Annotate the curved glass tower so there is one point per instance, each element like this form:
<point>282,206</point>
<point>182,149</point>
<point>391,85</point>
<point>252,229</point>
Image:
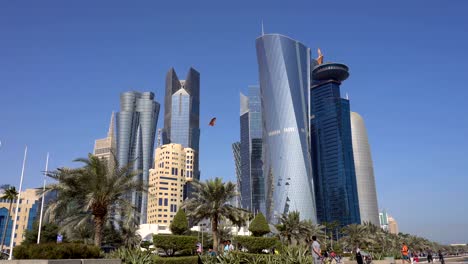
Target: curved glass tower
<point>284,72</point>
<point>136,129</point>
<point>367,194</point>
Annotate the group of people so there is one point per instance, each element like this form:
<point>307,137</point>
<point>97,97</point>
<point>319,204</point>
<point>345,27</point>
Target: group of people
<point>227,247</point>
<point>325,257</point>
<point>410,257</point>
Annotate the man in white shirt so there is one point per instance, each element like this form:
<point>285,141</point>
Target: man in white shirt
<point>316,253</point>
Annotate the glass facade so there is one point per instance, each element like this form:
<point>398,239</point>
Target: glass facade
<point>252,183</point>
<point>365,179</point>
<point>237,163</point>
<point>3,220</point>
<point>284,71</point>
<point>332,152</point>
<point>136,129</point>
<point>182,115</point>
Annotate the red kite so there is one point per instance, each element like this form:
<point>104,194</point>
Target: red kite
<point>212,122</point>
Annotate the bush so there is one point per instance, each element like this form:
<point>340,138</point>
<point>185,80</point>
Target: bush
<point>257,244</point>
<point>171,243</point>
<point>179,224</point>
<point>56,251</point>
<point>176,260</point>
<point>259,226</point>
<point>132,256</point>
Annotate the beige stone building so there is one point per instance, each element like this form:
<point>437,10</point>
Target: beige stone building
<point>104,147</point>
<point>28,212</point>
<point>173,167</point>
<point>392,226</point>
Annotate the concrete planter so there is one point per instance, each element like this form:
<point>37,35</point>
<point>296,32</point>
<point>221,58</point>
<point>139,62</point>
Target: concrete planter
<point>62,261</point>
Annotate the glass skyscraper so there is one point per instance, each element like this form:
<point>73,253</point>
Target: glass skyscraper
<point>182,113</point>
<point>237,163</point>
<point>365,179</point>
<point>284,72</point>
<point>252,183</point>
<point>331,147</point>
<point>136,129</point>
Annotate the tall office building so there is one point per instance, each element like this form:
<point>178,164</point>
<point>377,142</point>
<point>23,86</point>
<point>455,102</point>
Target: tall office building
<point>106,147</point>
<point>367,193</point>
<point>182,114</point>
<point>393,226</point>
<point>238,167</point>
<point>383,220</point>
<point>252,183</point>
<point>136,129</point>
<point>331,147</point>
<point>27,213</point>
<point>284,72</point>
<point>173,167</point>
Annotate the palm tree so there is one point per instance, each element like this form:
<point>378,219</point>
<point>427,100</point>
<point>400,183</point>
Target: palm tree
<point>10,195</point>
<point>355,235</point>
<point>92,191</point>
<point>210,201</point>
<point>292,228</point>
<point>311,230</point>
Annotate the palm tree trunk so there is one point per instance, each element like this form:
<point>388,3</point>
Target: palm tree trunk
<point>214,231</point>
<point>6,227</point>
<point>98,226</point>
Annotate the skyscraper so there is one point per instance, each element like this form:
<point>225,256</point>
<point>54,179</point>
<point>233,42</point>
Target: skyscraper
<point>136,129</point>
<point>284,73</point>
<point>252,182</point>
<point>367,193</point>
<point>237,163</point>
<point>172,169</point>
<point>182,113</point>
<point>106,147</point>
<point>331,147</point>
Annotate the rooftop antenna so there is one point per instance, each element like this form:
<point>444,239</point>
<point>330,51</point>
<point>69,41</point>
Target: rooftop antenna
<point>263,32</point>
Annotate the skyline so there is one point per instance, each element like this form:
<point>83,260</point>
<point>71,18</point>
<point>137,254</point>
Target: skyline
<point>73,69</point>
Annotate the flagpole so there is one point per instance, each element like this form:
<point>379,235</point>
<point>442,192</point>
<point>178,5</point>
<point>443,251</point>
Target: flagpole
<point>42,203</point>
<point>13,229</point>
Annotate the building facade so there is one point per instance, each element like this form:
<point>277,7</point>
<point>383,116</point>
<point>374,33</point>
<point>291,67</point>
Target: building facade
<point>252,183</point>
<point>105,148</point>
<point>284,71</point>
<point>182,111</point>
<point>393,226</point>
<point>173,167</point>
<point>363,164</point>
<point>383,220</point>
<point>28,212</point>
<point>331,147</point>
<point>136,129</point>
<point>238,167</point>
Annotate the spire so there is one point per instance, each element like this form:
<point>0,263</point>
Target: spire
<point>263,32</point>
<point>110,133</point>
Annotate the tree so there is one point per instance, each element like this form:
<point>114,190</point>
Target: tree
<point>259,226</point>
<point>92,191</point>
<point>179,224</point>
<point>49,233</point>
<point>210,201</point>
<point>10,195</point>
<point>291,227</point>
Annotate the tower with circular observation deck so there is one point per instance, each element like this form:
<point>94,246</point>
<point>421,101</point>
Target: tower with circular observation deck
<point>331,145</point>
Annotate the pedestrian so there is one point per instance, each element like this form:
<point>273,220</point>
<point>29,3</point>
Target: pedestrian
<point>441,257</point>
<point>429,256</point>
<point>316,253</point>
<point>231,246</point>
<point>359,256</point>
<point>404,254</point>
<point>199,248</point>
<point>211,252</point>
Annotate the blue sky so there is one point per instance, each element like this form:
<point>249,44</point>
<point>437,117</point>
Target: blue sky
<point>63,65</point>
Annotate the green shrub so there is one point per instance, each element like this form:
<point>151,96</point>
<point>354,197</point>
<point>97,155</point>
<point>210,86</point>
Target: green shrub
<point>56,251</point>
<point>257,244</point>
<point>259,226</point>
<point>132,256</point>
<point>179,224</point>
<point>171,243</point>
<point>176,260</point>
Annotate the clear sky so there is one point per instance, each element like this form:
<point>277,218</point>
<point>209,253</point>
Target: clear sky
<point>64,63</point>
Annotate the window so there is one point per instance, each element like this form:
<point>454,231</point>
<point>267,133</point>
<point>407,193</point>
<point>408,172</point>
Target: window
<point>165,201</point>
<point>160,201</point>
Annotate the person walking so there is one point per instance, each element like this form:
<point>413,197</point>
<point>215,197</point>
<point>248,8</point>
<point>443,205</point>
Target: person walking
<point>359,256</point>
<point>429,256</point>
<point>441,257</point>
<point>404,253</point>
<point>316,253</point>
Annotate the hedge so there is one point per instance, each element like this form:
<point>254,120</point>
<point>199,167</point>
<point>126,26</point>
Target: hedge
<point>171,243</point>
<point>259,226</point>
<point>257,244</point>
<point>176,260</point>
<point>56,251</point>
